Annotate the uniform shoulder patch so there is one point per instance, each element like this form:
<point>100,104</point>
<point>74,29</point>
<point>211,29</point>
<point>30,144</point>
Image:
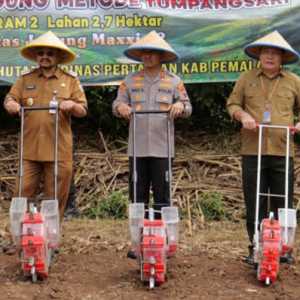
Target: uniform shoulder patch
<point>172,77</point>
<point>70,72</point>
<point>134,77</point>
<point>139,74</point>
<point>169,74</point>
<point>28,71</point>
<point>292,75</point>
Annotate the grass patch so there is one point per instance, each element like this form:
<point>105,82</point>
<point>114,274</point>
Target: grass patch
<point>114,206</point>
<point>212,206</point>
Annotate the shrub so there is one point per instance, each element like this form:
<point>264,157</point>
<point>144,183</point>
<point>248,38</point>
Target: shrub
<point>212,206</point>
<point>114,206</point>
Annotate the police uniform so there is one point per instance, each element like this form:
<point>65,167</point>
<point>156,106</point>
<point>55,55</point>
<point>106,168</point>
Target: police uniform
<point>34,89</point>
<point>144,93</point>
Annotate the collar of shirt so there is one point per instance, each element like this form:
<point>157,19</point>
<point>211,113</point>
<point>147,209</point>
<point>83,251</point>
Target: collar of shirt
<point>161,75</point>
<point>260,72</point>
<point>56,74</point>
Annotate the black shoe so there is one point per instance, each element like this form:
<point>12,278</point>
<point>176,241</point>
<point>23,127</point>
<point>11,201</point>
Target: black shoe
<point>131,254</point>
<point>250,258</point>
<point>287,259</point>
<point>71,213</point>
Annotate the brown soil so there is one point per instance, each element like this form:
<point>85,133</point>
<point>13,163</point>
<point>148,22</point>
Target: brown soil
<point>92,264</point>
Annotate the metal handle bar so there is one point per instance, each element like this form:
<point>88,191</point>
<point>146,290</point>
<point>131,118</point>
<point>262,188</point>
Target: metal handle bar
<point>21,171</point>
<point>28,108</point>
<point>292,129</point>
<point>289,130</point>
<point>141,112</point>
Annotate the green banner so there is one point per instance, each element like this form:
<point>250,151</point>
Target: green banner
<point>209,35</point>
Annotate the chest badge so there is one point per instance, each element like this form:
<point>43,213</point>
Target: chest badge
<point>30,87</point>
<point>63,85</point>
<point>30,101</point>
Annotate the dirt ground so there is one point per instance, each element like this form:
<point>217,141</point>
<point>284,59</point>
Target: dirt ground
<point>92,265</point>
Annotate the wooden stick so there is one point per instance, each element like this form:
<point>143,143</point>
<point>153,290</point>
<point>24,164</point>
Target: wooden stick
<point>189,215</point>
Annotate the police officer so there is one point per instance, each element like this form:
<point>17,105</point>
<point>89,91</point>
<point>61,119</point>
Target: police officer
<point>153,88</point>
<point>269,94</point>
<point>37,88</point>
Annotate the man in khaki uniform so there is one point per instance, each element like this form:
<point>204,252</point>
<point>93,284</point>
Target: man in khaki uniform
<point>267,95</point>
<point>151,89</point>
<point>37,88</point>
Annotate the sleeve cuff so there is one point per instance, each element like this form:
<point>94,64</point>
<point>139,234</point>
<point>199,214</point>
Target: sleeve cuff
<point>233,109</point>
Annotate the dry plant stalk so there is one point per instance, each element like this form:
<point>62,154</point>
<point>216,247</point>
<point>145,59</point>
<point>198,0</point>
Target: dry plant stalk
<point>98,174</point>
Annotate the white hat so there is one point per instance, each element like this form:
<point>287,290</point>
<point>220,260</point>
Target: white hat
<point>151,41</point>
<point>49,40</point>
<point>274,40</point>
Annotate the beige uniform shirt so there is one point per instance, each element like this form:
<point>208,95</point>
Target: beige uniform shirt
<point>33,89</point>
<point>250,94</point>
<point>144,93</point>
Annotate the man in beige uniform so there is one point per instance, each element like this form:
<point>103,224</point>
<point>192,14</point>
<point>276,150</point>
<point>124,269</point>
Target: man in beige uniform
<point>268,95</point>
<point>151,89</point>
<point>37,88</point>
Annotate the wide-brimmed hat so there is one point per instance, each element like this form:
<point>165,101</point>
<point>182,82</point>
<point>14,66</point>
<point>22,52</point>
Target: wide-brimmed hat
<point>274,40</point>
<point>151,41</point>
<point>49,40</point>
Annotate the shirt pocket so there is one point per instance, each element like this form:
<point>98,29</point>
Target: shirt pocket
<point>137,98</point>
<point>30,97</point>
<point>285,102</point>
<point>164,98</point>
<point>254,99</point>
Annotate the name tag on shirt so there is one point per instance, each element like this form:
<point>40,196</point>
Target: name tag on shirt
<point>267,117</point>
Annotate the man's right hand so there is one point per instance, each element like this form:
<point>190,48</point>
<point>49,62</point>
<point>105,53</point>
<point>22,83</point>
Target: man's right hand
<point>12,107</point>
<point>248,122</point>
<point>124,111</point>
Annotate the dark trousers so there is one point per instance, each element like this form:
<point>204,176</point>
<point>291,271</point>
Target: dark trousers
<point>272,181</point>
<point>151,172</point>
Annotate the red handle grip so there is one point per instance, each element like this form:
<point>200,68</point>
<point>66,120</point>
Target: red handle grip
<point>292,129</point>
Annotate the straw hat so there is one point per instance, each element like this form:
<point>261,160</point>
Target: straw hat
<point>274,40</point>
<point>151,41</point>
<point>50,40</point>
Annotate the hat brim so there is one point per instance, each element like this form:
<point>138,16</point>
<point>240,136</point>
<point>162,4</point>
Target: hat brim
<point>288,57</point>
<point>136,52</point>
<point>66,56</point>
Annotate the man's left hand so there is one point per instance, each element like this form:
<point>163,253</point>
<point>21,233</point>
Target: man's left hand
<point>67,106</point>
<point>176,110</point>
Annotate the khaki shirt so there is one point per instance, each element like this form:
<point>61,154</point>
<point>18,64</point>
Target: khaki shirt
<point>250,94</point>
<point>144,93</point>
<point>33,89</point>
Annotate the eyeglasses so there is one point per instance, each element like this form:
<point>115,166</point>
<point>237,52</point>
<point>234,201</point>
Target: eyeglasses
<point>152,51</point>
<point>47,53</point>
